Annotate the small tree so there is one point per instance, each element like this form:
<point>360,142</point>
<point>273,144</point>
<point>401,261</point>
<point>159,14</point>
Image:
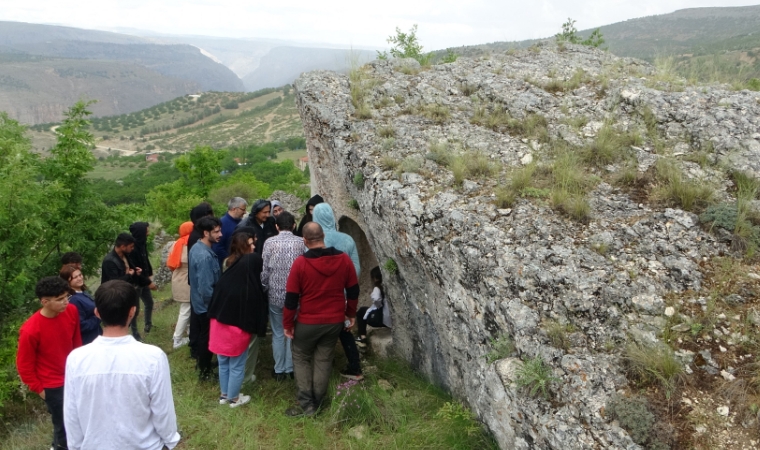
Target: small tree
<point>570,34</point>
<point>406,45</point>
<point>201,168</point>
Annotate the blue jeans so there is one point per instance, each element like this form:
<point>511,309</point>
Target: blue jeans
<point>231,372</point>
<point>283,357</point>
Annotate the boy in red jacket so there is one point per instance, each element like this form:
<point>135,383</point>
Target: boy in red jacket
<point>45,340</point>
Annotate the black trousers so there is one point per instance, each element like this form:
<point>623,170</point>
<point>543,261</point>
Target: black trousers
<point>349,348</point>
<point>54,402</point>
<point>133,324</point>
<point>147,298</point>
<point>201,345</point>
<point>375,319</point>
<point>193,333</point>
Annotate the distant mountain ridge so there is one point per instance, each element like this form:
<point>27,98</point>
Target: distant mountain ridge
<point>44,69</point>
<point>682,31</point>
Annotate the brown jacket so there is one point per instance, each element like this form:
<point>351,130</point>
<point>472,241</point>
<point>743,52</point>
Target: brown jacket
<point>180,286</point>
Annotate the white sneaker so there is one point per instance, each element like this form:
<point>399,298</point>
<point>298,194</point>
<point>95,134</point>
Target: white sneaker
<point>242,400</point>
<point>223,400</point>
<point>253,378</point>
<point>180,342</point>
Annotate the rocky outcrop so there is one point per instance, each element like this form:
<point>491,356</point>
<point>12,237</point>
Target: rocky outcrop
<point>469,272</point>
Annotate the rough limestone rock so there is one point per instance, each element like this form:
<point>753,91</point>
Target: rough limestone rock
<point>469,272</point>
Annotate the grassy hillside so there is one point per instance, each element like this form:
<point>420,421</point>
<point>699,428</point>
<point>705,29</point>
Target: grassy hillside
<point>216,119</point>
<point>697,30</point>
<point>700,44</point>
<point>36,89</point>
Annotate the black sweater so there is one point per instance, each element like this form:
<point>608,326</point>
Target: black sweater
<point>239,299</point>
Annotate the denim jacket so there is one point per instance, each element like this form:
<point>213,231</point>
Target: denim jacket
<point>203,273</point>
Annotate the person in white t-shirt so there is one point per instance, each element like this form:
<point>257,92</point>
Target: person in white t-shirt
<point>118,391</point>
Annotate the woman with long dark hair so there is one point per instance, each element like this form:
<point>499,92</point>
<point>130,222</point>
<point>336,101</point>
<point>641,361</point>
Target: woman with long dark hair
<point>89,324</point>
<point>238,313</point>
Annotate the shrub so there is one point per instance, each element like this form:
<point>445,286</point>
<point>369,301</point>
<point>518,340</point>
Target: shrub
<point>388,144</point>
<point>501,348</point>
<point>747,186</point>
<point>610,146</point>
<point>386,132</point>
<point>458,169</point>
<point>505,197</point>
<point>722,215</point>
<point>654,364</point>
<point>479,165</point>
<point>410,164</point>
<point>359,180</point>
<point>468,89</point>
<point>558,334</point>
<point>436,112</point>
<point>522,178</point>
<point>439,153</point>
<point>675,190</point>
<point>449,57</point>
<point>353,204</point>
<point>389,163</point>
<point>390,266</point>
<point>633,415</point>
<point>536,376</point>
<point>570,184</point>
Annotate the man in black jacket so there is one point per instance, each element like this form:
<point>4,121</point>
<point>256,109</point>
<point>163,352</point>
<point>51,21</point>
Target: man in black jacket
<point>261,222</point>
<point>116,266</point>
<point>140,258</point>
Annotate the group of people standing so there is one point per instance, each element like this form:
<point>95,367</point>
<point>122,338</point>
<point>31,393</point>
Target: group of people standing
<point>231,275</point>
<point>244,272</point>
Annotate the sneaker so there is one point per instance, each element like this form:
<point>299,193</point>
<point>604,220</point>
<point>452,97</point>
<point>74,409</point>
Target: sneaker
<point>297,411</point>
<point>351,375</point>
<point>242,400</point>
<point>223,400</point>
<point>280,376</point>
<point>180,342</point>
<point>252,378</point>
<point>148,327</point>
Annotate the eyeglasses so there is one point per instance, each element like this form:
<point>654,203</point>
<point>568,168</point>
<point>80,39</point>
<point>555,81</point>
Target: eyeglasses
<point>240,208</point>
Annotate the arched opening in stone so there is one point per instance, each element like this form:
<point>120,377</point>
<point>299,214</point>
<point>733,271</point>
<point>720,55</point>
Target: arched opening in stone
<point>367,258</point>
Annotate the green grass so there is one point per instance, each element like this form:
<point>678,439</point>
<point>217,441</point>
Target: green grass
<point>412,413</point>
<point>654,364</point>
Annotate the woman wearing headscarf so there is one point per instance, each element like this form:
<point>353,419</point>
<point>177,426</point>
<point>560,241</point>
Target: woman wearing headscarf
<point>177,262</point>
<point>307,216</point>
<point>261,221</point>
<point>140,258</point>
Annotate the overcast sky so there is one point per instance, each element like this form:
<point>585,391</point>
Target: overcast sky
<point>357,23</point>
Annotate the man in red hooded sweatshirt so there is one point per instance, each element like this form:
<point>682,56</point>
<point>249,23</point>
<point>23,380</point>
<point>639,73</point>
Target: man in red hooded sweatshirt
<point>45,340</point>
<point>317,282</point>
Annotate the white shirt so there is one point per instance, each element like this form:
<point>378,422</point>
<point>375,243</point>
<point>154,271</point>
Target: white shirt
<point>118,395</point>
